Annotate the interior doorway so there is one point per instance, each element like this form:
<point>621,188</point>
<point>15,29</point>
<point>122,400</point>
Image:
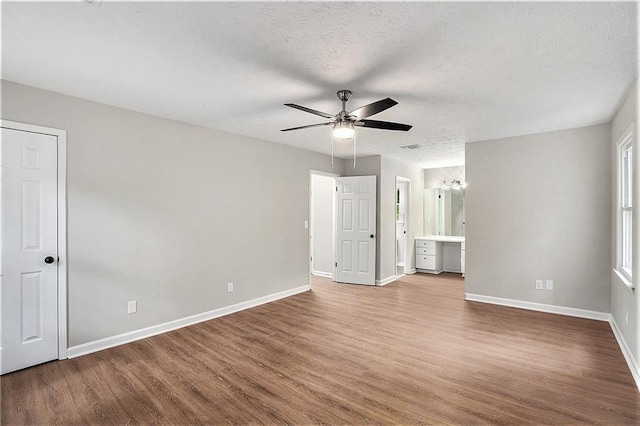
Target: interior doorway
<point>403,226</point>
<point>322,188</point>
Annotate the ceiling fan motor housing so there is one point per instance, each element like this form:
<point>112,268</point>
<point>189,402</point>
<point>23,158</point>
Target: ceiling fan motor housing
<point>344,95</point>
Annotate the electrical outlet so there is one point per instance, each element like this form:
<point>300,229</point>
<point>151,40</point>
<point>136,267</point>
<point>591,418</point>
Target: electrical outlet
<point>538,284</point>
<point>548,285</point>
<point>626,318</point>
<point>132,307</point>
<point>230,288</point>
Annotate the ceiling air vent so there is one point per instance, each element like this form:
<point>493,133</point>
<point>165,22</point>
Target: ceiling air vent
<point>415,146</point>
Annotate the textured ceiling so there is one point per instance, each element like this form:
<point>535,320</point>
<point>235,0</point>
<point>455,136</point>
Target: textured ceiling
<point>461,72</point>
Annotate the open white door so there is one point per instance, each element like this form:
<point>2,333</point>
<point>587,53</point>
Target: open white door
<point>356,230</point>
<point>29,267</point>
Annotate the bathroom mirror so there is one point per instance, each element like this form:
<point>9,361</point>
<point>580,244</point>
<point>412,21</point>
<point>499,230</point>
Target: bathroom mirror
<point>443,212</point>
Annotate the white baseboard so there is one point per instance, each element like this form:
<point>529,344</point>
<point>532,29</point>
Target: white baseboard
<point>386,281</point>
<point>628,356</point>
<point>132,336</point>
<point>552,309</point>
<point>411,272</point>
<point>322,274</point>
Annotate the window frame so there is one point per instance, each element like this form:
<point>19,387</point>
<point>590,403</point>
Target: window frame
<point>625,244</point>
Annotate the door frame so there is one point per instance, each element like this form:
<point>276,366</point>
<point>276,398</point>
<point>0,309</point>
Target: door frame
<point>313,172</point>
<point>408,245</point>
<point>61,136</point>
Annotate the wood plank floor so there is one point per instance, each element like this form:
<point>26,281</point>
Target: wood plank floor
<point>412,352</point>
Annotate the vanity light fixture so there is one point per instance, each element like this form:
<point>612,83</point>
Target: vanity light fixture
<point>455,185</point>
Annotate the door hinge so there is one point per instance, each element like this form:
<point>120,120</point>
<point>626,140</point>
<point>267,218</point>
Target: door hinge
<point>336,189</point>
<point>312,258</point>
<point>336,264</point>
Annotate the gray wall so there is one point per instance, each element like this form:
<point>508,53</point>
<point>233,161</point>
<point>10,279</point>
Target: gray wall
<point>167,213</point>
<point>322,193</point>
<point>539,207</point>
<point>623,300</point>
<point>433,177</point>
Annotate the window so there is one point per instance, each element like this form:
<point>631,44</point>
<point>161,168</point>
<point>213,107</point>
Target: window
<point>624,262</point>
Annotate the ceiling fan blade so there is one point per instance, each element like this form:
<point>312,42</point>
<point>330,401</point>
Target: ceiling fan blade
<point>312,111</point>
<point>387,125</point>
<point>305,127</point>
<point>373,108</point>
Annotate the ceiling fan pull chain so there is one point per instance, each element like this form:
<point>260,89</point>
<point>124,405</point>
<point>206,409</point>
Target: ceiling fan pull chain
<point>354,150</point>
<point>332,139</point>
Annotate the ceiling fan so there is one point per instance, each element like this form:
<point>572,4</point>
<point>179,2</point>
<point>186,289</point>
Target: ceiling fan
<point>344,122</point>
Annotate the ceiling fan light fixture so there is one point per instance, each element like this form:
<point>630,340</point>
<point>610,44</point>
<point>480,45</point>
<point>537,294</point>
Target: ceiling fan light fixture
<point>343,130</point>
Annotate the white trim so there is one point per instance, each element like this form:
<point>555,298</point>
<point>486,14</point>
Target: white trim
<point>386,281</point>
<point>313,172</point>
<point>624,279</point>
<point>61,136</point>
<point>322,274</point>
<point>321,173</point>
<point>627,138</point>
<point>408,240</point>
<point>62,246</point>
<point>132,336</point>
<point>628,356</point>
<point>552,309</point>
<point>412,271</point>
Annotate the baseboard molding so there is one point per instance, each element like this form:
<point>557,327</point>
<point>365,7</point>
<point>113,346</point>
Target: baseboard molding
<point>386,281</point>
<point>552,309</point>
<point>411,272</point>
<point>132,336</point>
<point>628,356</point>
<point>322,274</point>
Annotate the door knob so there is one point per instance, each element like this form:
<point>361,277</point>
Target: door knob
<point>49,259</point>
<point>371,236</point>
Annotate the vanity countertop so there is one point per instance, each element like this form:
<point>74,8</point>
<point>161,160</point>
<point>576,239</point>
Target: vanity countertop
<point>443,238</point>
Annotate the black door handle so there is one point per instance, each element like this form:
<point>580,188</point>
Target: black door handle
<point>371,236</point>
<point>49,259</point>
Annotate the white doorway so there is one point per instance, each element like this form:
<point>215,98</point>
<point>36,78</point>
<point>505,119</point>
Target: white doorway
<point>403,226</point>
<point>322,192</point>
<point>33,264</point>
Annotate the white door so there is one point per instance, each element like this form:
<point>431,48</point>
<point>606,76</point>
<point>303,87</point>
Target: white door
<point>28,270</point>
<point>356,230</point>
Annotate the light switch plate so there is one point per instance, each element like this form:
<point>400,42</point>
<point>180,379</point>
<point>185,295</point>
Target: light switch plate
<point>548,284</point>
<point>132,307</point>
